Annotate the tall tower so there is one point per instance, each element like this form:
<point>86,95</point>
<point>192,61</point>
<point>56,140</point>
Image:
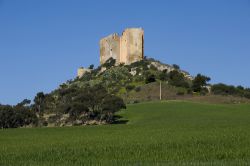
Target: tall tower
<point>127,49</point>
<point>110,48</point>
<point>132,45</point>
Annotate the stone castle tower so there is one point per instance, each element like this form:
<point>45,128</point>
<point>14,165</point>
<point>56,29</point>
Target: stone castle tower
<point>126,49</point>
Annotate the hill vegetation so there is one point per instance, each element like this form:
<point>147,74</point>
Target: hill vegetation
<point>99,94</point>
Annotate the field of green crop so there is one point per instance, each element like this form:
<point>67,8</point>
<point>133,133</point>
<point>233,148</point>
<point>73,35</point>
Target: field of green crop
<point>174,133</point>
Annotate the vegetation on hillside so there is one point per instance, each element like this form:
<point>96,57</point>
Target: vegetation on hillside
<point>65,106</point>
<point>99,94</point>
<point>17,116</point>
<point>223,89</point>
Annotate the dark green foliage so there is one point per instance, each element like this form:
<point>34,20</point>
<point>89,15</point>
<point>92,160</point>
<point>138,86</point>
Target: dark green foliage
<point>152,67</point>
<point>199,83</point>
<point>240,87</point>
<point>150,78</point>
<point>130,87</point>
<point>177,79</point>
<point>223,89</point>
<point>75,110</point>
<point>16,116</point>
<point>181,92</point>
<point>176,67</point>
<point>143,64</point>
<point>39,103</point>
<point>138,70</point>
<point>91,67</point>
<point>96,71</point>
<point>109,63</point>
<point>163,76</point>
<point>25,102</point>
<point>138,89</point>
<point>247,93</point>
<point>88,103</point>
<point>110,105</point>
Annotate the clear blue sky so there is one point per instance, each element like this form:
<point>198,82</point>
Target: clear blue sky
<point>43,42</point>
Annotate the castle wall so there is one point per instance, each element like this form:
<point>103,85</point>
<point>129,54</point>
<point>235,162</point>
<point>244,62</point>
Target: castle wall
<point>110,47</point>
<point>126,49</point>
<point>132,45</point>
<point>123,48</point>
<point>81,71</point>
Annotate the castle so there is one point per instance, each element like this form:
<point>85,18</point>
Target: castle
<point>126,49</point>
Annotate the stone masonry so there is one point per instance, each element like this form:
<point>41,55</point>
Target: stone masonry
<point>126,49</point>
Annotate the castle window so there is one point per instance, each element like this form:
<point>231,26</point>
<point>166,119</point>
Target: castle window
<point>111,49</point>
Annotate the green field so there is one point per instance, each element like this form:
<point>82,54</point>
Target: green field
<point>173,132</point>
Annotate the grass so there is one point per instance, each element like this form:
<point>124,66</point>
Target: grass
<point>174,133</point>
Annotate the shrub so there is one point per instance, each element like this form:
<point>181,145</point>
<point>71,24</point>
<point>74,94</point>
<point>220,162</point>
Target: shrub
<point>223,89</point>
<point>138,89</point>
<point>152,67</point>
<point>199,82</point>
<point>18,116</point>
<point>130,87</point>
<point>181,92</point>
<point>176,67</point>
<point>109,63</point>
<point>177,79</point>
<point>150,78</point>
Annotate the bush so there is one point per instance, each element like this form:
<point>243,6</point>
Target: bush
<point>89,103</point>
<point>177,79</point>
<point>130,87</point>
<point>18,116</point>
<point>152,67</point>
<point>163,76</point>
<point>176,67</point>
<point>138,89</point>
<point>150,78</point>
<point>181,92</point>
<point>223,89</point>
<point>109,63</point>
<point>199,82</point>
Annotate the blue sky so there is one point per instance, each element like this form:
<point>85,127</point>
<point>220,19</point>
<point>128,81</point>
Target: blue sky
<point>43,42</point>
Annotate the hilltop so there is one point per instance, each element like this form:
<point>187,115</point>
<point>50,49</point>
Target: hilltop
<point>140,82</point>
<point>139,78</point>
<point>96,96</point>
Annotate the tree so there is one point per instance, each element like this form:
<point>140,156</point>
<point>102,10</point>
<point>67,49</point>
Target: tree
<point>25,102</point>
<point>6,116</point>
<point>176,67</point>
<point>16,116</point>
<point>177,79</point>
<point>199,82</point>
<point>89,103</point>
<point>39,102</point>
<point>109,63</point>
<point>163,76</point>
<point>109,108</point>
<point>91,67</point>
<point>150,78</point>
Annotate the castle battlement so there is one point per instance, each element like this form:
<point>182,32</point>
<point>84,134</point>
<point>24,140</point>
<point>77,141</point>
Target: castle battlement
<point>126,49</point>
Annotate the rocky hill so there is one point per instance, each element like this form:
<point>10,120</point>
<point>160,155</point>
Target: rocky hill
<point>96,96</point>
